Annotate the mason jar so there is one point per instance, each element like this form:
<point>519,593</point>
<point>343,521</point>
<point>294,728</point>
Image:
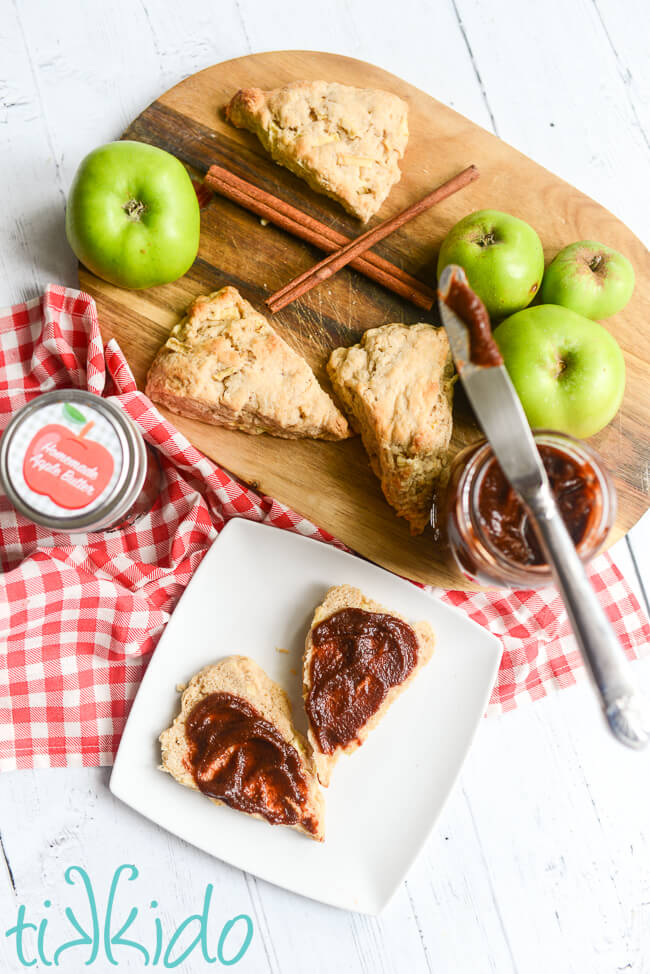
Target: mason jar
<point>74,462</point>
<point>487,528</point>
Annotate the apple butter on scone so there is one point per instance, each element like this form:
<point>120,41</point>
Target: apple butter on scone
<point>359,657</point>
<point>234,741</point>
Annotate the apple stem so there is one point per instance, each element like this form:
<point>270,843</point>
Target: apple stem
<point>86,429</point>
<point>134,209</point>
<point>487,240</point>
<point>595,262</point>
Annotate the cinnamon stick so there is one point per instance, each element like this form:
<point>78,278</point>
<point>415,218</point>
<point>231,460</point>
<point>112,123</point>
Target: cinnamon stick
<point>318,234</point>
<point>325,268</point>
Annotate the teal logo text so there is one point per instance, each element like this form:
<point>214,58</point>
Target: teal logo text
<point>123,930</point>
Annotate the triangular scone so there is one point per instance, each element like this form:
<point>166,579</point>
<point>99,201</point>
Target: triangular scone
<point>343,141</point>
<point>396,387</point>
<point>226,365</point>
<point>358,658</point>
<point>234,741</point>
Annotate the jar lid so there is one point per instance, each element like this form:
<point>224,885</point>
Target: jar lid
<point>70,460</point>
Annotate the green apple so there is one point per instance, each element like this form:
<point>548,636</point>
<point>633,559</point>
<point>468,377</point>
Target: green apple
<point>502,257</point>
<point>568,371</point>
<point>133,217</point>
<point>589,278</point>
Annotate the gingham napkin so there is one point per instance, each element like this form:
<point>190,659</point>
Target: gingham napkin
<point>78,621</point>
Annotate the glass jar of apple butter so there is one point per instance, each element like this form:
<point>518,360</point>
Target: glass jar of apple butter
<point>487,528</point>
<point>76,463</point>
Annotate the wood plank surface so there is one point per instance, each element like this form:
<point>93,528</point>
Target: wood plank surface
<point>331,483</point>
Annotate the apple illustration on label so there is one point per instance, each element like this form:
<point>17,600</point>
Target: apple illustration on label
<point>589,278</point>
<point>502,257</point>
<point>65,466</point>
<point>568,371</point>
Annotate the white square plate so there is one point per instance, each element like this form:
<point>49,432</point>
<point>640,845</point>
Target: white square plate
<point>254,593</point>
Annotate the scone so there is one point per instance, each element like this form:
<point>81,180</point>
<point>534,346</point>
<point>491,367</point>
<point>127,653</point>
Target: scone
<point>225,364</point>
<point>345,142</point>
<point>358,658</point>
<point>396,387</point>
<point>235,742</point>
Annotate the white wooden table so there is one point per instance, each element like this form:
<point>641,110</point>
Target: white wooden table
<point>542,859</point>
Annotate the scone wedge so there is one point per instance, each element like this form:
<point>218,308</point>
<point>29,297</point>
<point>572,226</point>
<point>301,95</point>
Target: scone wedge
<point>343,141</point>
<point>224,364</point>
<point>234,741</point>
<point>359,657</point>
<point>396,387</point>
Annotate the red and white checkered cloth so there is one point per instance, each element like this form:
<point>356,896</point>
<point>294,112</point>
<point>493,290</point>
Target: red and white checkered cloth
<point>78,622</point>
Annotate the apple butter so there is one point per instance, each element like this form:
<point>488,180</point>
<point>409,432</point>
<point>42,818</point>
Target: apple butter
<point>486,527</point>
<point>241,759</point>
<point>483,350</point>
<point>503,518</point>
<point>357,657</point>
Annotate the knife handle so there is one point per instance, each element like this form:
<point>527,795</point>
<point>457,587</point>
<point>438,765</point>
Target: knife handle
<point>624,708</point>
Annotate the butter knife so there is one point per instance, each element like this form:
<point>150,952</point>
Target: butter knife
<point>500,413</point>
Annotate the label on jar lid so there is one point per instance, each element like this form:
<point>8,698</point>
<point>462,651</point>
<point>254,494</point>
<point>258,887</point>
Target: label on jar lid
<point>64,457</point>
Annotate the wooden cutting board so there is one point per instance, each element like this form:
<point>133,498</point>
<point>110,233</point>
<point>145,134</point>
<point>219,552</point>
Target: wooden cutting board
<point>331,483</point>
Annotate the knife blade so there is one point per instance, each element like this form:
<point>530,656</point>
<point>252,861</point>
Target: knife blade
<point>500,413</point>
<point>493,399</point>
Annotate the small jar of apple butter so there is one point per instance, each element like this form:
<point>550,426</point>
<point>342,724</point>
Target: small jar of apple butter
<point>76,463</point>
<point>487,527</point>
